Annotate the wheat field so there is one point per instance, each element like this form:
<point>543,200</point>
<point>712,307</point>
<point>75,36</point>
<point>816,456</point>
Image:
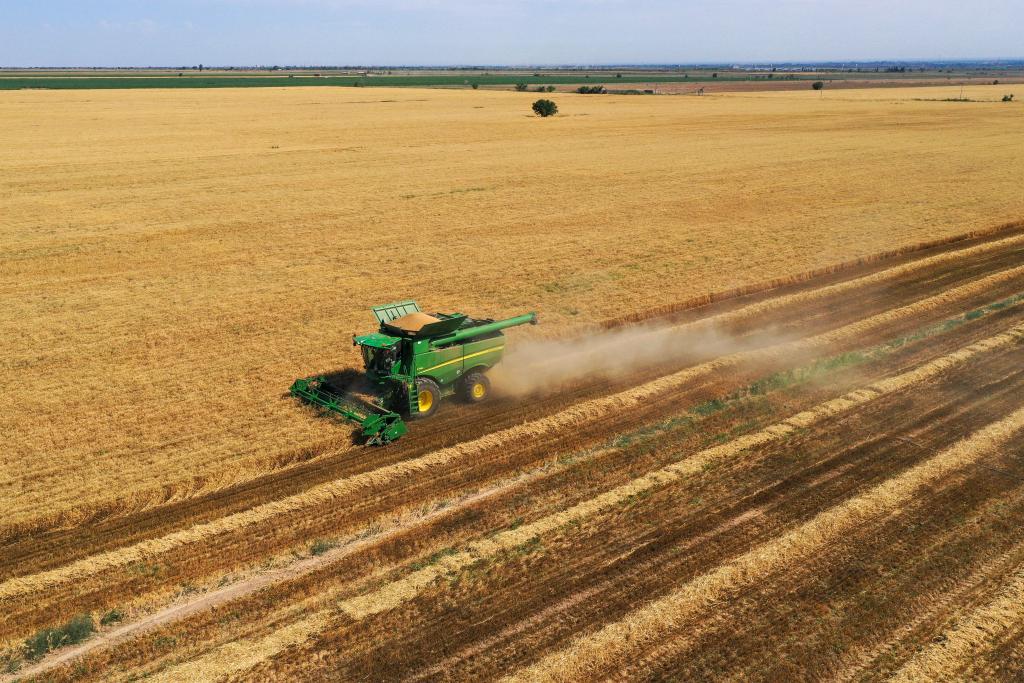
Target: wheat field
<point>171,260</point>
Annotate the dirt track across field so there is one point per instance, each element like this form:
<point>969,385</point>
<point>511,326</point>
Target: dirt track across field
<point>822,499</point>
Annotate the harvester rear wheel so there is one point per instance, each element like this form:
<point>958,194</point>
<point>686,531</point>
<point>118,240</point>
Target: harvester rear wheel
<point>429,397</point>
<point>475,388</point>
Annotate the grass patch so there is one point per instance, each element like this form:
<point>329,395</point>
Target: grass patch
<point>434,558</point>
<point>143,569</point>
<point>529,547</point>
<point>10,663</point>
<point>48,639</point>
<point>165,642</point>
<point>321,546</point>
<point>114,616</point>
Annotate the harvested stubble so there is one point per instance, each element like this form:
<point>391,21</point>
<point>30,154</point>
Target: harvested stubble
<point>858,660</point>
<point>615,643</point>
<point>976,633</point>
<point>172,259</point>
<point>225,660</point>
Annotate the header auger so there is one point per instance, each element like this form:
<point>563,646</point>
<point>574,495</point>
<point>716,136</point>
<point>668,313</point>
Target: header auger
<point>413,361</point>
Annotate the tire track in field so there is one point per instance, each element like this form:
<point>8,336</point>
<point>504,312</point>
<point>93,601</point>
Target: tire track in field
<point>617,641</point>
<point>858,662</point>
<point>972,636</point>
<point>226,661</point>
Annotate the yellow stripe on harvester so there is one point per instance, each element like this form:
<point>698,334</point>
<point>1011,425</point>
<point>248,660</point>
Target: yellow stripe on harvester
<point>459,360</point>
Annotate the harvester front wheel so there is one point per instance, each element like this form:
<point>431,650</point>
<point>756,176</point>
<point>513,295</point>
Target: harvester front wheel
<point>429,396</point>
<point>475,388</point>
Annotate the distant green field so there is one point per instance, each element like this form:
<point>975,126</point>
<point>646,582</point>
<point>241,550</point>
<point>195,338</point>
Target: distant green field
<point>122,82</point>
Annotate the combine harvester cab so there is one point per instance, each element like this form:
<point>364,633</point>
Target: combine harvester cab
<point>414,361</point>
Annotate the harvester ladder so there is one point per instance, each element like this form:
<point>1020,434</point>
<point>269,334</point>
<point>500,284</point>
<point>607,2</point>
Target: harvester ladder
<point>414,398</point>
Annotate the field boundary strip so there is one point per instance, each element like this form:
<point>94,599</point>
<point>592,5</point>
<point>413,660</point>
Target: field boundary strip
<point>231,658</point>
<point>612,644</point>
<point>574,415</point>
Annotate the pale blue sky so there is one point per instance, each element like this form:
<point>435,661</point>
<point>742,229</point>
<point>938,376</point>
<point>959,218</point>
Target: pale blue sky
<point>185,32</point>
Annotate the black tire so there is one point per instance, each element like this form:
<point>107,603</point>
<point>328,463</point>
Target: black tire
<point>475,388</point>
<point>425,387</point>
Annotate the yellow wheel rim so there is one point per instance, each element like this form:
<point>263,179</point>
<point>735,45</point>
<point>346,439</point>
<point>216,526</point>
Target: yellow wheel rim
<point>426,401</point>
<point>479,390</point>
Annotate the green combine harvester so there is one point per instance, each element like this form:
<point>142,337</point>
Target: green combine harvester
<point>413,361</point>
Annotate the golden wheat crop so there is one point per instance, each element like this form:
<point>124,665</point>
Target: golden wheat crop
<point>171,260</point>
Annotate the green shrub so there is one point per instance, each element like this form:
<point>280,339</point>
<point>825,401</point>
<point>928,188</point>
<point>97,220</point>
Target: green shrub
<point>545,108</point>
<point>476,86</point>
<point>112,617</point>
<point>165,642</point>
<point>1007,98</point>
<point>320,546</point>
<point>47,639</point>
<point>551,88</point>
<point>818,85</point>
<point>591,90</point>
<point>521,87</point>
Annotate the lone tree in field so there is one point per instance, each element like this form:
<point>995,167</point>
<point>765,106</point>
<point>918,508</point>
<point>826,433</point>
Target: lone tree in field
<point>521,87</point>
<point>545,108</point>
<point>818,85</point>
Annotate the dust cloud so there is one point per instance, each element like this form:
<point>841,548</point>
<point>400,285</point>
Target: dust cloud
<point>549,365</point>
